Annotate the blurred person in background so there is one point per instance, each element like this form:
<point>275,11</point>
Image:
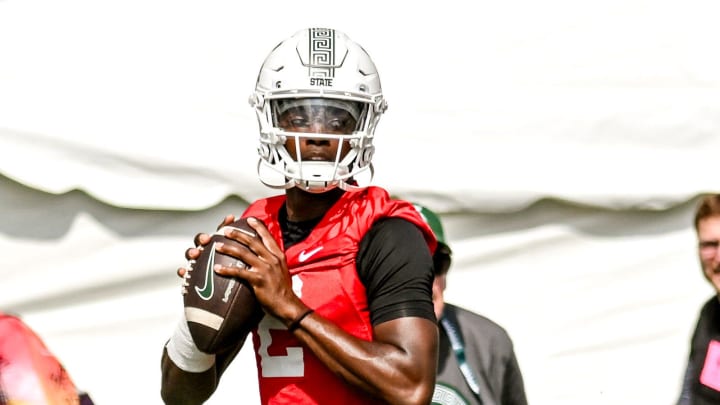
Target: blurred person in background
<point>476,360</point>
<point>701,384</point>
<point>29,373</point>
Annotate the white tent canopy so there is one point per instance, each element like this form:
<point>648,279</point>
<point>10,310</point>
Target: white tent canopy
<point>563,143</point>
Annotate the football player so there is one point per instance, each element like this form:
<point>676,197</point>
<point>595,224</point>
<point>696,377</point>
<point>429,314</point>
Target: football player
<point>343,272</point>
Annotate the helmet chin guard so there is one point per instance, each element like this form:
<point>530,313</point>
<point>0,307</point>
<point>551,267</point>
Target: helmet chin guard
<point>328,67</point>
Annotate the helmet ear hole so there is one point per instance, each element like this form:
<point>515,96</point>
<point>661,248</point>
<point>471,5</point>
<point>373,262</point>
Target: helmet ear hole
<point>366,157</point>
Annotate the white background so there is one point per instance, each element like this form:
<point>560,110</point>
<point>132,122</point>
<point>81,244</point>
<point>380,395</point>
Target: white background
<point>564,144</point>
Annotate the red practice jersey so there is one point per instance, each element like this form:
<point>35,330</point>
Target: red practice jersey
<point>324,275</point>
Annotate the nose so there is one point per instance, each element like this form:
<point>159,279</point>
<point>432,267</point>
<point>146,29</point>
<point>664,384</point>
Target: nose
<point>316,148</point>
<point>309,140</point>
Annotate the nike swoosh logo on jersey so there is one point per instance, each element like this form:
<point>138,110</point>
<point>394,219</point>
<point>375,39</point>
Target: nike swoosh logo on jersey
<point>207,291</point>
<point>306,255</point>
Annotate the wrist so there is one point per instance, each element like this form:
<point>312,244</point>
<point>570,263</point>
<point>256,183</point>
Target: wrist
<point>296,322</point>
<point>183,352</point>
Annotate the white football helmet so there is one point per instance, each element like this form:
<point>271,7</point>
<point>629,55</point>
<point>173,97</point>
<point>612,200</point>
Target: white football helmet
<point>317,68</point>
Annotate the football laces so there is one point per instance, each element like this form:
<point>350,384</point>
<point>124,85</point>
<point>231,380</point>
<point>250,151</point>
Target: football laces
<point>187,276</point>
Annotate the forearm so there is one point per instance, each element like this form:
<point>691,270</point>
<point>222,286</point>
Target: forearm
<point>185,388</point>
<point>189,376</point>
<point>386,370</point>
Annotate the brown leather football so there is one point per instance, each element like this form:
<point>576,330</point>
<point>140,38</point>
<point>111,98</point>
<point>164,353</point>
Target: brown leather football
<point>220,310</point>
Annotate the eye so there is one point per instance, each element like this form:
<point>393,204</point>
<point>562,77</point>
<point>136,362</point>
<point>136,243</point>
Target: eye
<point>299,122</point>
<point>336,124</point>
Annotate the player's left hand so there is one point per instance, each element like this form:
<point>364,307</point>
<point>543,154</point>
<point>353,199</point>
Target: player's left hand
<point>267,273</point>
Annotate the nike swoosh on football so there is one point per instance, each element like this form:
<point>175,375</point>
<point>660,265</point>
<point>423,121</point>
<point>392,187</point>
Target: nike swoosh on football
<point>207,291</point>
<point>303,256</point>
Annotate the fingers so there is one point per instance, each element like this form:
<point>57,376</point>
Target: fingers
<point>247,238</point>
<point>266,270</point>
<point>201,239</point>
<point>236,250</point>
<point>257,250</point>
<point>248,273</point>
<point>262,244</point>
<point>268,241</point>
<point>193,253</point>
<point>226,221</point>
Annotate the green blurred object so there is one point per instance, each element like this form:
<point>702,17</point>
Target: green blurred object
<point>433,220</point>
<point>442,256</point>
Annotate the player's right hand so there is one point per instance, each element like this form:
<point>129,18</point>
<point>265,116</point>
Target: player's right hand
<point>200,240</point>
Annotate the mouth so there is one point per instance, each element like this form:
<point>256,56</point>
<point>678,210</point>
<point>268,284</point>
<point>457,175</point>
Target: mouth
<point>316,158</point>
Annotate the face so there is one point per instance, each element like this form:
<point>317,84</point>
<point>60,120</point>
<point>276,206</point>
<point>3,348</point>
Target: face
<point>438,295</point>
<point>709,250</point>
<point>314,117</point>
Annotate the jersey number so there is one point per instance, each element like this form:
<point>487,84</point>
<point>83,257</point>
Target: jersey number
<point>290,364</point>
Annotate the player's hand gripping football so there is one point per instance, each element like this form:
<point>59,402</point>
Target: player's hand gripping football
<point>267,272</point>
<point>201,239</point>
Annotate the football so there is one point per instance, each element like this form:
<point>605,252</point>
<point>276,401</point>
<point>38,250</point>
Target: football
<point>220,310</point>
